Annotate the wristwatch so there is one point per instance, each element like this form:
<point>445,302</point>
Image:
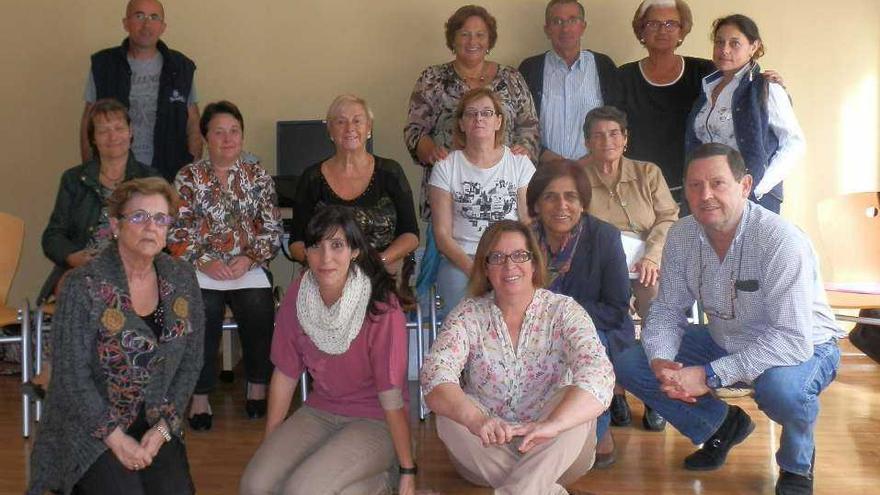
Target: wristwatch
<point>413,470</point>
<point>713,381</point>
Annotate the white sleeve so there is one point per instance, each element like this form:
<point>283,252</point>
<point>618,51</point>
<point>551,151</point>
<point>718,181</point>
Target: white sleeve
<point>90,94</point>
<point>526,171</point>
<point>441,173</point>
<point>792,144</point>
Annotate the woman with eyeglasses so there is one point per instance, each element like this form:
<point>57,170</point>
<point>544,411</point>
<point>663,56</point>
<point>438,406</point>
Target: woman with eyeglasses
<point>585,260</point>
<point>473,188</point>
<point>127,346</point>
<point>79,227</point>
<point>659,90</point>
<point>737,107</point>
<point>229,229</point>
<point>536,376</point>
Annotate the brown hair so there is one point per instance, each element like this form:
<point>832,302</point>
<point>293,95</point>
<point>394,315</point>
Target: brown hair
<point>104,107</point>
<point>145,186</point>
<point>707,150</point>
<point>551,171</point>
<point>457,20</point>
<point>217,108</point>
<point>472,95</point>
<point>479,282</point>
<point>746,26</point>
<point>686,18</point>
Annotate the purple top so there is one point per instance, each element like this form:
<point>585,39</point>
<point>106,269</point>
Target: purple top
<point>347,384</point>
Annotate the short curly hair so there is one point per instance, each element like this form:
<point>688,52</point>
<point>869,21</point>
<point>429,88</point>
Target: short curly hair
<point>457,20</point>
<point>145,186</point>
<point>684,14</point>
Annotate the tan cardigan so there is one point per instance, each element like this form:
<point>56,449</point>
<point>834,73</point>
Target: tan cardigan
<point>640,203</point>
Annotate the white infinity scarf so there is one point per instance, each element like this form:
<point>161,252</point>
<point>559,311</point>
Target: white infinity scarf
<point>332,329</point>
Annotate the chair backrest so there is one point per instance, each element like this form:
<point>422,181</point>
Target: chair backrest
<point>12,233</point>
<point>850,230</point>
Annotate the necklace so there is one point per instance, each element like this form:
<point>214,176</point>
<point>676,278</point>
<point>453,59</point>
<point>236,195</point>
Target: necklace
<point>481,76</point>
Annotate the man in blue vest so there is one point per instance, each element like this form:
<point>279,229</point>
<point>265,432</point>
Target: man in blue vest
<point>156,84</point>
<point>567,82</point>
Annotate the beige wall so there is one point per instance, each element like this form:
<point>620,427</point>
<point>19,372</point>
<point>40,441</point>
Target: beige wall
<point>286,59</point>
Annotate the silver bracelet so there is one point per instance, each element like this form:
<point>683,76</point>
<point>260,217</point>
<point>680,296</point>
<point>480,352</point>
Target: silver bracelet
<point>163,431</point>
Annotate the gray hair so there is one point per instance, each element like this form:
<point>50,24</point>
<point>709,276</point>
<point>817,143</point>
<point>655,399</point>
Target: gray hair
<point>345,99</point>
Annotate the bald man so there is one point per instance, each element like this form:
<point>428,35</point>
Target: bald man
<point>156,84</point>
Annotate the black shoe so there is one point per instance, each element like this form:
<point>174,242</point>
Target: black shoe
<point>619,409</point>
<point>736,427</point>
<point>652,421</point>
<point>255,408</point>
<point>793,484</point>
<point>201,422</point>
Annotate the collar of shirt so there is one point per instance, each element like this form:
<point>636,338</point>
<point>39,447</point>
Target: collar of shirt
<point>714,78</point>
<point>557,63</point>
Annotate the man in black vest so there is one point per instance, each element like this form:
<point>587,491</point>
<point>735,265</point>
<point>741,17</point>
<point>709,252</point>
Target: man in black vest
<point>156,84</point>
<point>567,82</point>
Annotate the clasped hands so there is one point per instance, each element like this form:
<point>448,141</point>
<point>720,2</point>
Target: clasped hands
<point>218,270</point>
<point>684,383</point>
<point>496,431</point>
<point>132,454</point>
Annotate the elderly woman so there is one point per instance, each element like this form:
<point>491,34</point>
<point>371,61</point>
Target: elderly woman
<point>229,229</point>
<point>585,260</point>
<point>474,187</point>
<point>374,187</point>
<point>342,322</point>
<point>660,89</point>
<point>535,373</point>
<point>737,107</point>
<point>632,196</point>
<point>430,132</point>
<point>79,227</point>
<point>127,352</point>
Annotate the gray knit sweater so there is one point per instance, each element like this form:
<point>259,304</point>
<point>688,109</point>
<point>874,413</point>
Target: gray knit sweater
<point>107,364</point>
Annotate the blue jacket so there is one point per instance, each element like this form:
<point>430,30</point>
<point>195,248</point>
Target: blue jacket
<point>754,138</point>
<point>599,280</point>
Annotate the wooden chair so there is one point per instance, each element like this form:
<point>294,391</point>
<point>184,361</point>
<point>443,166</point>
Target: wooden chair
<point>10,253</point>
<point>850,232</point>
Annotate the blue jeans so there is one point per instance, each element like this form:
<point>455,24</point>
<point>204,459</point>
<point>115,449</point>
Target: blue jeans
<point>603,422</point>
<point>451,286</point>
<point>789,395</point>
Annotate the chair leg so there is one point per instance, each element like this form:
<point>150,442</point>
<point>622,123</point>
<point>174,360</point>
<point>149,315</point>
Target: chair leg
<point>25,369</point>
<point>38,358</point>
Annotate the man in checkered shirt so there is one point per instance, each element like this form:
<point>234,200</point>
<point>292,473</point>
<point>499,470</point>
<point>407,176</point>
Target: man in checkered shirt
<point>757,279</point>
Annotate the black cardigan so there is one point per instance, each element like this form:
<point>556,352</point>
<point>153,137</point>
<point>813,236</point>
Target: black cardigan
<point>532,70</point>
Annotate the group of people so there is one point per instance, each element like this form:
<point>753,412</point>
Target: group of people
<point>546,193</point>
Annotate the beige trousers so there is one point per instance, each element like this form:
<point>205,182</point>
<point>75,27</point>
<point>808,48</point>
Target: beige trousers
<point>319,452</point>
<point>542,471</point>
<point>643,296</point>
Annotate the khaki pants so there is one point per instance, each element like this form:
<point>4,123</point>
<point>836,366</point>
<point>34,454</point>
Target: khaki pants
<point>643,296</point>
<point>319,452</point>
<point>542,471</point>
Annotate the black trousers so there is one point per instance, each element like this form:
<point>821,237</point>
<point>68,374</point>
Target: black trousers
<point>167,475</point>
<point>254,312</point>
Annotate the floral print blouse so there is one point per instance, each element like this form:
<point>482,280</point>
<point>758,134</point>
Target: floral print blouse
<point>432,113</point>
<point>557,347</point>
<point>221,223</point>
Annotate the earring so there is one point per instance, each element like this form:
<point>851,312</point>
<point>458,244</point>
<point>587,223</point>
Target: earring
<point>642,40</point>
<point>370,136</point>
<point>679,42</point>
<point>487,52</point>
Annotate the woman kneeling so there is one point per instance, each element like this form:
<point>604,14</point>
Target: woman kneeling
<point>343,323</point>
<point>536,376</point>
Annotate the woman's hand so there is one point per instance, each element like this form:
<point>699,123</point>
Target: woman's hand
<point>518,149</point>
<point>79,258</point>
<point>535,434</point>
<point>239,266</point>
<point>648,272</point>
<point>152,441</point>
<point>492,431</point>
<point>407,485</point>
<point>217,270</point>
<point>772,76</point>
<point>428,152</point>
<point>129,452</point>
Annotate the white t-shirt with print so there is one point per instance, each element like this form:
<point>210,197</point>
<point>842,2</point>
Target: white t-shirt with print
<point>481,196</point>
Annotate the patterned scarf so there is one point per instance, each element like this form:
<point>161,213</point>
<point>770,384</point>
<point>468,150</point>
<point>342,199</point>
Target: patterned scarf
<point>558,263</point>
<point>332,329</point>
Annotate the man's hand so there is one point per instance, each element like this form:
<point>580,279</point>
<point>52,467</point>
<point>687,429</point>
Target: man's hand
<point>690,383</point>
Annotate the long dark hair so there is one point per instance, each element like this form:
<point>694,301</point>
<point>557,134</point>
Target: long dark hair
<point>326,222</point>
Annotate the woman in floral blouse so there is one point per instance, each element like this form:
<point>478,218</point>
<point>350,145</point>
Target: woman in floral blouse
<point>534,371</point>
<point>471,32</point>
<point>229,228</point>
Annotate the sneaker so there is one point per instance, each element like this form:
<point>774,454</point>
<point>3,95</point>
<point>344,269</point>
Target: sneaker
<point>736,427</point>
<point>619,409</point>
<point>793,484</point>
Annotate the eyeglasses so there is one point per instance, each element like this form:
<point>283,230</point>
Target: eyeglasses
<point>141,217</point>
<point>485,113</point>
<point>722,315</point>
<point>141,17</point>
<point>571,21</point>
<point>499,258</point>
<point>669,25</point>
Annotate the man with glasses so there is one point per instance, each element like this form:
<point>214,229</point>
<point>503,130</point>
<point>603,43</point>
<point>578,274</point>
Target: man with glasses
<point>757,279</point>
<point>567,82</point>
<point>156,84</point>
